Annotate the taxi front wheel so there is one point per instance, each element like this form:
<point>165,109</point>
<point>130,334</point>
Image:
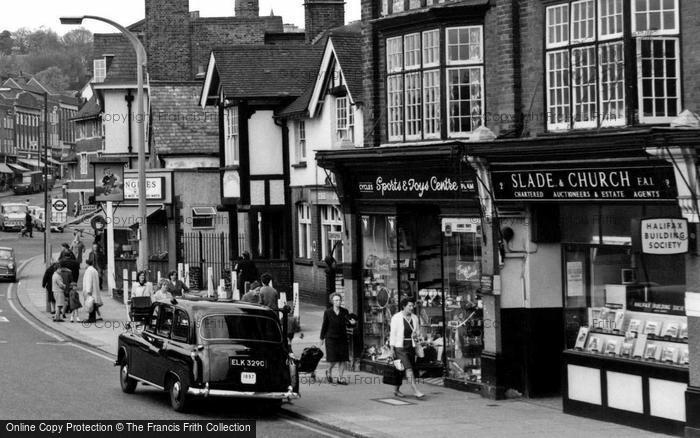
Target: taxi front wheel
<point>178,393</point>
<point>127,383</point>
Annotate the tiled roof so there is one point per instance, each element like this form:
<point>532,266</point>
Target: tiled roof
<point>122,67</point>
<point>267,71</point>
<point>347,42</point>
<point>179,124</point>
<point>90,109</point>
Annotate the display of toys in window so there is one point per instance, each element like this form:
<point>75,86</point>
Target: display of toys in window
<point>581,338</point>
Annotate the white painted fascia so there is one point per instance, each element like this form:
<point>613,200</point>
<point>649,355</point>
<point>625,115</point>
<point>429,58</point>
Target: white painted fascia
<point>207,81</point>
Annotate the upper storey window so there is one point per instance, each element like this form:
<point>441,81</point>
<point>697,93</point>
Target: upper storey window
<point>423,82</point>
<point>586,46</point>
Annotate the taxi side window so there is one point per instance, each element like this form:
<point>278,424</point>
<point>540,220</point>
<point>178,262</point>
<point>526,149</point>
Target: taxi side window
<point>166,322</point>
<point>181,328</point>
<point>153,320</point>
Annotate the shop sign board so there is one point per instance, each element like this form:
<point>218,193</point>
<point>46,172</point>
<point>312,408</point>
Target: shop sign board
<point>155,188</point>
<point>404,185</point>
<point>664,236</point>
<point>639,183</point>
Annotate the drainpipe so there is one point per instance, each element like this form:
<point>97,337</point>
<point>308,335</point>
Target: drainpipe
<point>129,99</point>
<point>289,242</point>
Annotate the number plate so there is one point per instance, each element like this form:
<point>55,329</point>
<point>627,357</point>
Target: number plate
<point>248,378</point>
<point>248,363</point>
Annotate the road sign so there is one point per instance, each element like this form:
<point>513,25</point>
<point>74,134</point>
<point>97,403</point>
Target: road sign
<point>59,210</point>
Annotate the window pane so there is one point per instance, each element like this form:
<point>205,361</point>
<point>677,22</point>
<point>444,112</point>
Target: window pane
<point>557,25</point>
<point>464,44</point>
<point>558,87</point>
<point>394,54</point>
<point>610,12</point>
<point>612,84</point>
<point>412,51</point>
<point>465,99</point>
<point>395,106</point>
<point>656,16</point>
<point>431,103</point>
<point>658,76</point>
<point>431,48</point>
<point>584,84</point>
<point>413,104</point>
<point>582,20</point>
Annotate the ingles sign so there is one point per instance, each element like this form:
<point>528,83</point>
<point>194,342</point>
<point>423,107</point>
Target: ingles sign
<point>432,186</point>
<point>645,183</point>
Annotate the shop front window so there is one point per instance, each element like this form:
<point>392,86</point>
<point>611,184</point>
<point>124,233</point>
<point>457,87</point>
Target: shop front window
<point>612,286</point>
<point>436,263</point>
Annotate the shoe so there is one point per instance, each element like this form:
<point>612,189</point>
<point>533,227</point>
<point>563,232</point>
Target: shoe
<point>329,379</point>
<point>343,381</point>
<point>59,320</point>
<point>71,320</point>
<point>420,396</point>
<point>399,394</point>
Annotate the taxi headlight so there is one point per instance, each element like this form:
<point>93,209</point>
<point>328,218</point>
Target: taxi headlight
<point>11,266</point>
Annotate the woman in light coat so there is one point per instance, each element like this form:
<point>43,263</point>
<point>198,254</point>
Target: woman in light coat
<point>91,284</point>
<point>402,340</point>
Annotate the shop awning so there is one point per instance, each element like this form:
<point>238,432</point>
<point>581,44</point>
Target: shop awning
<point>126,217</point>
<point>18,168</point>
<point>29,162</point>
<point>4,168</point>
<point>51,160</point>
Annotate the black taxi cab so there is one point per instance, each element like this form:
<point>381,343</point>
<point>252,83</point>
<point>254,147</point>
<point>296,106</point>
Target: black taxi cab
<point>204,348</point>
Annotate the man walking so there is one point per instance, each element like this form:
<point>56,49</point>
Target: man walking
<point>77,247</point>
<point>247,271</point>
<point>27,224</point>
<point>91,286</point>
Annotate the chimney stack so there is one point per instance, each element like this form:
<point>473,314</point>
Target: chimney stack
<point>247,8</point>
<point>322,15</point>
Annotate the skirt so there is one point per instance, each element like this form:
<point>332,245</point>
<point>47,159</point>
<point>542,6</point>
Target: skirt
<point>407,356</point>
<point>337,350</point>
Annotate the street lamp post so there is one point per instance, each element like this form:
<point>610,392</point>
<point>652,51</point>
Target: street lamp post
<point>140,138</point>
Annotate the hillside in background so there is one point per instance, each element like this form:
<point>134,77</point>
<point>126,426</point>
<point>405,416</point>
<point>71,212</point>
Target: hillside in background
<point>62,62</point>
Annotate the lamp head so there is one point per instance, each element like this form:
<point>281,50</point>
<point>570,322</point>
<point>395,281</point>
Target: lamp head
<point>71,20</point>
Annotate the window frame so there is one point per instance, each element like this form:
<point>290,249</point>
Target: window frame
<point>679,81</point>
<point>344,117</point>
<point>232,136</point>
<point>83,163</point>
<point>205,214</point>
<point>177,319</point>
<point>99,65</point>
<point>331,218</point>
<point>647,33</point>
<point>304,247</point>
<point>300,141</point>
<point>600,17</point>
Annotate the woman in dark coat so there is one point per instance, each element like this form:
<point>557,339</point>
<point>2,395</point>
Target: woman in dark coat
<point>334,333</point>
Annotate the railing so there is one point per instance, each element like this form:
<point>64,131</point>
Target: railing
<point>202,251</point>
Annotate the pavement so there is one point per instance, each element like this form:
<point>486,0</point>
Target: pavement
<point>365,407</point>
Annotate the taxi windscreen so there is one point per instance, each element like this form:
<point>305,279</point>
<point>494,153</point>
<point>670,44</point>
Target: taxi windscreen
<point>240,327</point>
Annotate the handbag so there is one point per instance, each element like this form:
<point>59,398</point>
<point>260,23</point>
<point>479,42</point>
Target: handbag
<point>398,365</point>
<point>392,376</point>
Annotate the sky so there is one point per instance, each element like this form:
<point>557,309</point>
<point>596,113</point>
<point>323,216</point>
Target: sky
<point>35,13</point>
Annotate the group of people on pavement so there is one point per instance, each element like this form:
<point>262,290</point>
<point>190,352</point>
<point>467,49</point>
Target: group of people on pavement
<point>61,282</point>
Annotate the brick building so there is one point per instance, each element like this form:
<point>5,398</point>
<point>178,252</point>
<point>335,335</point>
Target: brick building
<point>489,190</point>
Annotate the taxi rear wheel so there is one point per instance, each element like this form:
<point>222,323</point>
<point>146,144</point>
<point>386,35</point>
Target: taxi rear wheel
<point>177,392</point>
<point>127,383</point>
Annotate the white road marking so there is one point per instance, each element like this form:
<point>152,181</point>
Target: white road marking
<point>3,319</point>
<point>94,353</point>
<point>3,342</point>
<point>307,427</point>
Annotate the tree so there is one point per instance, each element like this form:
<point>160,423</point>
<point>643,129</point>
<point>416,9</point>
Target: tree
<point>6,42</point>
<point>43,40</point>
<point>54,78</point>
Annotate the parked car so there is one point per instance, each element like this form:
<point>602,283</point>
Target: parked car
<point>203,348</point>
<point>8,267</point>
<point>12,215</point>
<point>39,221</point>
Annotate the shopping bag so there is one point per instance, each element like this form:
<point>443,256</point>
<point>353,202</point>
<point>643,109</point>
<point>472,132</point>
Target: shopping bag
<point>398,365</point>
<point>420,351</point>
<point>392,376</point>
